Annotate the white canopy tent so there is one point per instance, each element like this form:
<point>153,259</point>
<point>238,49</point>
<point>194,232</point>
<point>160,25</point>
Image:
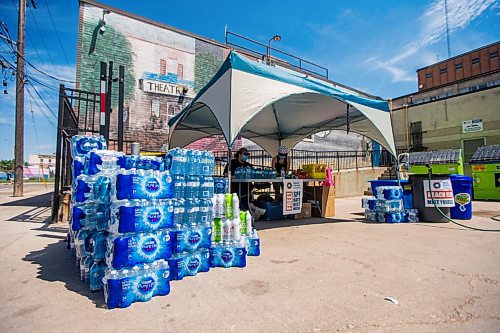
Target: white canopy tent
<point>272,106</point>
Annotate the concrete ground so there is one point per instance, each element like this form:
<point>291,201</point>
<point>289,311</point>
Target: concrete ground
<point>313,275</point>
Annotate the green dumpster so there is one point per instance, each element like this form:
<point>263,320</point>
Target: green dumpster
<point>485,165</point>
<point>443,162</point>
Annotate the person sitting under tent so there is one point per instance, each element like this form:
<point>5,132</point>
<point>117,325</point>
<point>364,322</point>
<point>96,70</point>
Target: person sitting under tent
<point>240,160</point>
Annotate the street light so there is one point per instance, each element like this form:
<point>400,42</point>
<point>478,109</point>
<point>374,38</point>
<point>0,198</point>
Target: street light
<point>275,38</point>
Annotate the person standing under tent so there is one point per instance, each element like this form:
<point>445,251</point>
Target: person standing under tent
<point>281,163</point>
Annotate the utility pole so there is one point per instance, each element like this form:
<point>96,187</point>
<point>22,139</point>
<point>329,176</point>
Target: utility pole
<point>19,145</point>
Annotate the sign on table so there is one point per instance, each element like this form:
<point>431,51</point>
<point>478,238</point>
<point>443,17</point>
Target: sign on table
<point>442,193</point>
<point>292,196</point>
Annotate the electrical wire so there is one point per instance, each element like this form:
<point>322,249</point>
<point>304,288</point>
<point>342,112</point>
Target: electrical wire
<point>51,122</point>
<point>41,38</point>
<point>34,126</point>
<point>449,219</point>
<point>43,100</point>
<point>57,33</point>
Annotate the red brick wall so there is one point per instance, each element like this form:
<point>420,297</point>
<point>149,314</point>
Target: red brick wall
<point>216,143</point>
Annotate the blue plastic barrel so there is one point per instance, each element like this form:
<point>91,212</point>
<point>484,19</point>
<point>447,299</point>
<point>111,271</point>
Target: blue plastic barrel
<point>462,193</point>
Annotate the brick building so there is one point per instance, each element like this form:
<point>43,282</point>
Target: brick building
<point>457,104</point>
<point>164,68</point>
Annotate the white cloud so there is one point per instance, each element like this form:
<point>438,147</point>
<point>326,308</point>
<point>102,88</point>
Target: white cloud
<point>398,73</point>
<point>433,29</point>
<point>460,14</point>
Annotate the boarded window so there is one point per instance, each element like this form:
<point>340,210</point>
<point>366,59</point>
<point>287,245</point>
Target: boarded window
<point>163,67</point>
<point>180,71</point>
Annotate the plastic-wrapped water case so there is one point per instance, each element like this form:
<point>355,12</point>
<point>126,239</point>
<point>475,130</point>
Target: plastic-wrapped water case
<point>155,163</point>
<point>105,160</point>
<point>189,264</point>
<point>253,244</point>
<point>78,166</point>
<point>228,255</point>
<point>96,274</point>
<point>220,185</point>
<point>132,249</point>
<point>384,205</point>
<point>391,217</point>
<point>83,144</point>
<point>411,215</point>
<point>371,215</point>
<point>95,189</point>
<point>143,184</point>
<point>98,245</point>
<point>136,215</point>
<point>138,284</point>
<point>85,264</point>
<point>369,202</point>
<point>390,192</point>
<point>192,238</point>
<point>83,247</point>
<point>89,216</point>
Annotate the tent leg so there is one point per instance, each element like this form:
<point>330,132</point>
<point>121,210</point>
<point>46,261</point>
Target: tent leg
<point>229,169</point>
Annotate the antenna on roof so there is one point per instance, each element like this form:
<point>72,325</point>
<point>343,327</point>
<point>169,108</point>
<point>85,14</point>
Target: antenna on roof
<point>447,27</point>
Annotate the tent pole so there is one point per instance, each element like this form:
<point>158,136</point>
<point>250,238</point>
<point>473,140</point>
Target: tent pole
<point>229,168</point>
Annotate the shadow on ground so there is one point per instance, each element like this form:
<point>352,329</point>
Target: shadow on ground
<point>262,225</point>
<point>55,264</point>
<point>42,200</point>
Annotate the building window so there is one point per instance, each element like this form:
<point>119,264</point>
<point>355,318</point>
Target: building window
<point>493,55</point>
<point>41,160</point>
<point>458,66</point>
<point>428,75</point>
<point>163,67</point>
<point>416,134</point>
<point>470,147</point>
<point>475,61</point>
<point>443,71</point>
<point>155,107</point>
<point>180,71</point>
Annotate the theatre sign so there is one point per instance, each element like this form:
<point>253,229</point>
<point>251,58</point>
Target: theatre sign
<point>166,85</point>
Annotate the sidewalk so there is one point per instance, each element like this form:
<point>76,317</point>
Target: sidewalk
<point>313,275</point>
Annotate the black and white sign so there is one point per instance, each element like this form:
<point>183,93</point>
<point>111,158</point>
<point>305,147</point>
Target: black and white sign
<point>474,125</point>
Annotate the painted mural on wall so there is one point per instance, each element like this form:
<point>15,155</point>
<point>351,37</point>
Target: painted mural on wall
<point>164,70</point>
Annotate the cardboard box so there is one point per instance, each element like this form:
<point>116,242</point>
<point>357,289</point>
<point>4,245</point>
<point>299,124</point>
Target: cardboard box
<point>325,196</point>
<point>305,212</point>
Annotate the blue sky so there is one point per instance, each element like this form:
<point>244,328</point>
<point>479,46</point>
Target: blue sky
<point>375,46</point>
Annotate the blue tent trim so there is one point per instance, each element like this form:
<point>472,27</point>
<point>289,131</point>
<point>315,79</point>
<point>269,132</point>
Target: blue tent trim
<point>238,62</point>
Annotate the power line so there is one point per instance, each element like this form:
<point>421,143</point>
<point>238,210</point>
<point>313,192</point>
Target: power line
<point>9,41</point>
<point>41,38</point>
<point>57,33</point>
<point>51,122</point>
<point>34,126</point>
<point>43,100</point>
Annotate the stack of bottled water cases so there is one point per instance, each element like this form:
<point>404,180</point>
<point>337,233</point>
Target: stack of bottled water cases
<point>233,236</point>
<point>121,212</point>
<point>254,173</point>
<point>139,222</point>
<point>388,207</point>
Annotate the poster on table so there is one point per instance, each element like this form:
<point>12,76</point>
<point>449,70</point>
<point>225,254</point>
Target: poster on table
<point>442,193</point>
<point>292,196</point>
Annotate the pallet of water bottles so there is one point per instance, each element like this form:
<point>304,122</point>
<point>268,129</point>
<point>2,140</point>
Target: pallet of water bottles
<point>139,222</point>
<point>388,207</point>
